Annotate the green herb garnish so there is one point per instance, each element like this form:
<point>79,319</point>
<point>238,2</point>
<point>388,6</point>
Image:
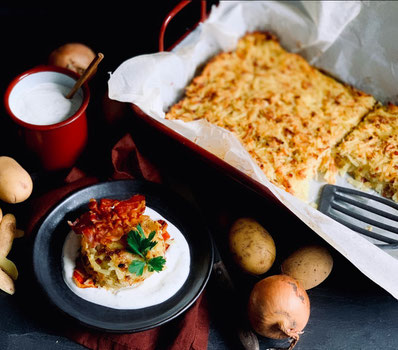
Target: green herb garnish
<point>138,244</point>
<point>137,267</point>
<point>156,264</point>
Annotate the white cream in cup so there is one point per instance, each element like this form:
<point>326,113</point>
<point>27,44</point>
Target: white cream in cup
<point>52,126</point>
<point>39,99</point>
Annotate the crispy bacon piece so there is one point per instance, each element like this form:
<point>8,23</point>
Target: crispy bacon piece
<point>109,219</point>
<point>165,234</point>
<point>81,277</point>
<point>82,280</point>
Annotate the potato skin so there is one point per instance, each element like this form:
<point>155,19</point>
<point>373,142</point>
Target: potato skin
<point>7,233</point>
<point>74,56</point>
<point>15,182</point>
<point>252,247</point>
<point>6,283</point>
<point>310,265</point>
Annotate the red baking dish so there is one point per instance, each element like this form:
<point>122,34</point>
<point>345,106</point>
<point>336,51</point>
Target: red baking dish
<point>204,155</point>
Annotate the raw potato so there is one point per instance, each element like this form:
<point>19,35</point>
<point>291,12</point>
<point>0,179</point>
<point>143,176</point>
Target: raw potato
<point>74,56</point>
<point>7,233</point>
<point>252,247</point>
<point>6,283</point>
<point>15,182</point>
<point>8,270</point>
<point>19,233</point>
<point>310,265</point>
<point>9,267</point>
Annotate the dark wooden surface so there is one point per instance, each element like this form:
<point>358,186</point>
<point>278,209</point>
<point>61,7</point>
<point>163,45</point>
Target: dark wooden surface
<point>348,311</point>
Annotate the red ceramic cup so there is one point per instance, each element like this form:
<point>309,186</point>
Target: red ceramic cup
<point>59,144</point>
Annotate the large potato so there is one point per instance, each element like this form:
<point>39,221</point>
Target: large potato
<point>252,247</point>
<point>15,182</point>
<point>310,265</point>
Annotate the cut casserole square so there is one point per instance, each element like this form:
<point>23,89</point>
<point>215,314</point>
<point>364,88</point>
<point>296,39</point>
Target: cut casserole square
<point>286,113</point>
<point>370,152</point>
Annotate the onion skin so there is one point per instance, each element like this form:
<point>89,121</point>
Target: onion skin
<point>279,308</point>
<point>73,56</point>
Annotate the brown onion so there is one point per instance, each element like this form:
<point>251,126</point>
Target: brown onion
<point>74,56</point>
<point>279,308</point>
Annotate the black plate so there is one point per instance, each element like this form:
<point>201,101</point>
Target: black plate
<point>47,256</point>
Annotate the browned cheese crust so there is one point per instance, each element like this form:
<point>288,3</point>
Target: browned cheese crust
<point>286,113</point>
<point>370,152</point>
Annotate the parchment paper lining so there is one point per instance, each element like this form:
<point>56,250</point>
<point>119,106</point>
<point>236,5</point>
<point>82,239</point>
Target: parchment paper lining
<point>353,41</point>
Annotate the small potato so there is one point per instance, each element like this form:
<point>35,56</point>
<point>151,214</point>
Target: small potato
<point>252,247</point>
<point>8,267</point>
<point>7,233</point>
<point>19,233</point>
<point>310,265</point>
<point>15,182</point>
<point>74,56</point>
<point>6,283</point>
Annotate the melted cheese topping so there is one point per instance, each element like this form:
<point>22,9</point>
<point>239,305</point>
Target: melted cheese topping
<point>287,114</point>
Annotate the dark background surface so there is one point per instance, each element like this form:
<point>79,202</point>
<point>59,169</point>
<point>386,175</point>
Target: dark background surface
<point>348,311</point>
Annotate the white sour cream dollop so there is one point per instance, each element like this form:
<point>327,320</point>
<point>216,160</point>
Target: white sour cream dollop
<point>156,289</point>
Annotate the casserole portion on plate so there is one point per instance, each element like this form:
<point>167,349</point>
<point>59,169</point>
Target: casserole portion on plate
<point>119,245</point>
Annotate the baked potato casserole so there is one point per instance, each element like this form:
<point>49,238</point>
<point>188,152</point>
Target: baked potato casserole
<point>287,114</point>
<point>370,152</point>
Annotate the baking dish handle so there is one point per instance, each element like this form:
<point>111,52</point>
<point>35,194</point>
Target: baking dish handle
<point>173,12</point>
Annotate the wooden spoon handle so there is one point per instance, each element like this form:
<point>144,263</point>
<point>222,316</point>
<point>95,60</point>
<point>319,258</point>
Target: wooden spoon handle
<point>86,74</point>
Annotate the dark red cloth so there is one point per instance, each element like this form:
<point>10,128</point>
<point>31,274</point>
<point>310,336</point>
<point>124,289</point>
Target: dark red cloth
<point>190,330</point>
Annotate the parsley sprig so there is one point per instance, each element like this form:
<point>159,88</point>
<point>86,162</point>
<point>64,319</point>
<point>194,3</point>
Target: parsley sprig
<point>138,244</point>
